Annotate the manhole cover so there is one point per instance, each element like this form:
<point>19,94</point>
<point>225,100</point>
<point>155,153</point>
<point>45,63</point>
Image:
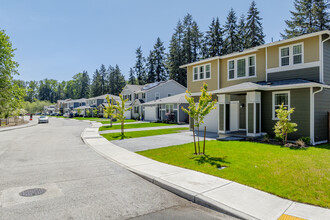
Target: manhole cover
<point>32,192</point>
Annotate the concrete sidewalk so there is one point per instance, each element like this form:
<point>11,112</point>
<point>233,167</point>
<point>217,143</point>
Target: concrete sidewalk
<point>220,194</point>
<point>29,124</point>
<point>144,129</point>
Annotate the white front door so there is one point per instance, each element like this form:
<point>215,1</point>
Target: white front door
<point>234,115</point>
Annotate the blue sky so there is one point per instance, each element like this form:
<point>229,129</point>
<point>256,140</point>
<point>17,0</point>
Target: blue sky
<point>59,38</point>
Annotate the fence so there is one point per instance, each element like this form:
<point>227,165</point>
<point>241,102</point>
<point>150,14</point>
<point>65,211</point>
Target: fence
<point>12,121</point>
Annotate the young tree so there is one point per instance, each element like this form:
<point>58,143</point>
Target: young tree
<point>120,115</point>
<point>254,31</point>
<point>95,112</point>
<point>198,111</point>
<point>231,41</point>
<point>109,109</point>
<point>131,79</point>
<point>213,41</point>
<point>283,126</point>
<point>140,67</point>
<point>79,112</point>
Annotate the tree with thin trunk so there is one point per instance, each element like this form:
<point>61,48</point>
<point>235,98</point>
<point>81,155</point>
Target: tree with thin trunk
<point>198,111</point>
<point>109,109</point>
<point>120,115</point>
<point>283,126</point>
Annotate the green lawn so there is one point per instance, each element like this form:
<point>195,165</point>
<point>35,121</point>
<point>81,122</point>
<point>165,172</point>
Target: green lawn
<point>302,175</point>
<point>114,122</point>
<point>102,120</point>
<point>136,134</point>
<point>138,125</point>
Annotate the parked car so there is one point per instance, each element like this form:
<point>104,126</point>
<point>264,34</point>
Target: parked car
<point>43,119</point>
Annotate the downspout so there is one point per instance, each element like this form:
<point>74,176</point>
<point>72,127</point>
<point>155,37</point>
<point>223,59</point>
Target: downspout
<point>322,56</point>
<point>312,119</point>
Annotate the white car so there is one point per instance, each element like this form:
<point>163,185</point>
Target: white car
<point>43,119</point>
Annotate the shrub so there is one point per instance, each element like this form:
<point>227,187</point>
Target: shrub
<point>300,143</point>
<point>266,138</point>
<point>307,140</point>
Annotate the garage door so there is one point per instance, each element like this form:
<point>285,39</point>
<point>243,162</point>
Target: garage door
<point>211,122</point>
<point>128,114</point>
<point>150,113</point>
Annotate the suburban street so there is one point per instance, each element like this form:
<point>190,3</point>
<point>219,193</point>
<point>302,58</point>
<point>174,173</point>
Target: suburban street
<point>79,183</point>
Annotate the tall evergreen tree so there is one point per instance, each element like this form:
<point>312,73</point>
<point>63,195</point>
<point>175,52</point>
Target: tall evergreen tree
<point>159,61</point>
<point>131,79</point>
<point>140,67</point>
<point>85,83</point>
<point>175,56</point>
<point>96,86</point>
<point>111,80</point>
<point>321,14</point>
<point>254,31</point>
<point>119,81</point>
<point>150,66</point>
<point>213,41</point>
<point>231,41</point>
<point>242,36</point>
<point>103,73</point>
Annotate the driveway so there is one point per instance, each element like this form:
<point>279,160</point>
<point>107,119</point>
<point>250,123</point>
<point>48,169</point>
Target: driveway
<point>158,141</point>
<point>79,183</point>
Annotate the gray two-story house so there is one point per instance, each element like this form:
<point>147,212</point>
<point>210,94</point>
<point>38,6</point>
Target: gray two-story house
<point>250,85</point>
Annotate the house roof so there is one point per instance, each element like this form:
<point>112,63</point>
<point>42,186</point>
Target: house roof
<point>175,99</point>
<point>149,86</point>
<point>267,86</point>
<point>254,49</point>
<point>134,88</point>
<point>104,96</point>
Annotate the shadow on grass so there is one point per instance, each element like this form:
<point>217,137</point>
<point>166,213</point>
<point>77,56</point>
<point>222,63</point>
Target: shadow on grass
<point>213,161</point>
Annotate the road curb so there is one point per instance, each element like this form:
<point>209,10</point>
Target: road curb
<point>19,127</point>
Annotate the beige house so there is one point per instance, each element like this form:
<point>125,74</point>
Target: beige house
<point>250,85</point>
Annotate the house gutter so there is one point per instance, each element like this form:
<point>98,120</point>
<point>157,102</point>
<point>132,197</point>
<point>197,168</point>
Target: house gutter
<point>322,66</point>
<point>312,112</point>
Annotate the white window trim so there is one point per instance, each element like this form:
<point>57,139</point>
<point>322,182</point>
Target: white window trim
<point>246,67</point>
<point>170,107</point>
<point>156,95</point>
<point>273,103</point>
<point>291,55</point>
<point>198,73</point>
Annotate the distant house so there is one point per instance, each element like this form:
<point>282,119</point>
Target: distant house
<point>158,110</point>
<point>137,95</point>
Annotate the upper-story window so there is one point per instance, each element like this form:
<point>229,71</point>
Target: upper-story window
<point>143,95</point>
<point>157,95</point>
<point>136,96</point>
<point>243,67</point>
<point>291,55</point>
<point>202,72</point>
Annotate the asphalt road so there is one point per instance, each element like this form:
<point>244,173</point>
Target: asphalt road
<point>79,183</point>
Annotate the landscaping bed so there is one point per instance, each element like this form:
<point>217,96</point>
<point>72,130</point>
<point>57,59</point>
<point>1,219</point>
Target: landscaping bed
<point>301,175</point>
<point>136,134</point>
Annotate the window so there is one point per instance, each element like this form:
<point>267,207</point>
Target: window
<point>231,69</point>
<point>143,95</point>
<point>285,56</point>
<point>280,98</point>
<point>169,108</point>
<point>195,73</point>
<point>136,96</point>
<point>130,97</point>
<point>291,55</point>
<point>297,54</point>
<point>202,72</point>
<point>252,66</point>
<point>136,109</point>
<point>157,95</point>
<point>169,94</point>
<point>242,67</point>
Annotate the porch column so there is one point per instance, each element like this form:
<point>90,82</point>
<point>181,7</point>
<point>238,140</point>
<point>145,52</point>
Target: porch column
<point>224,113</point>
<point>253,114</point>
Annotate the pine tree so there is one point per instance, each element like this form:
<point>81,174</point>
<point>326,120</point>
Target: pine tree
<point>159,61</point>
<point>140,67</point>
<point>96,87</point>
<point>119,81</point>
<point>103,74</point>
<point>191,41</point>
<point>151,68</point>
<point>254,30</point>
<point>111,80</point>
<point>231,33</point>
<point>242,38</point>
<point>131,79</point>
<point>213,41</point>
<point>321,15</point>
<point>175,56</point>
<point>85,84</point>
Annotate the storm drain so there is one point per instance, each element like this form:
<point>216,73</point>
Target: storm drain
<point>32,192</point>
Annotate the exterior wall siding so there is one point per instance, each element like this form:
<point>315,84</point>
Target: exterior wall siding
<point>195,86</point>
<point>183,117</point>
<point>311,51</point>
<point>322,107</point>
<point>251,118</point>
<point>300,100</point>
<point>312,74</point>
<point>164,89</point>
<point>260,70</point>
<point>326,62</point>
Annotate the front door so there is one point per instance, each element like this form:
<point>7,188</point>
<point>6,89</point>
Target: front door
<point>234,115</point>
